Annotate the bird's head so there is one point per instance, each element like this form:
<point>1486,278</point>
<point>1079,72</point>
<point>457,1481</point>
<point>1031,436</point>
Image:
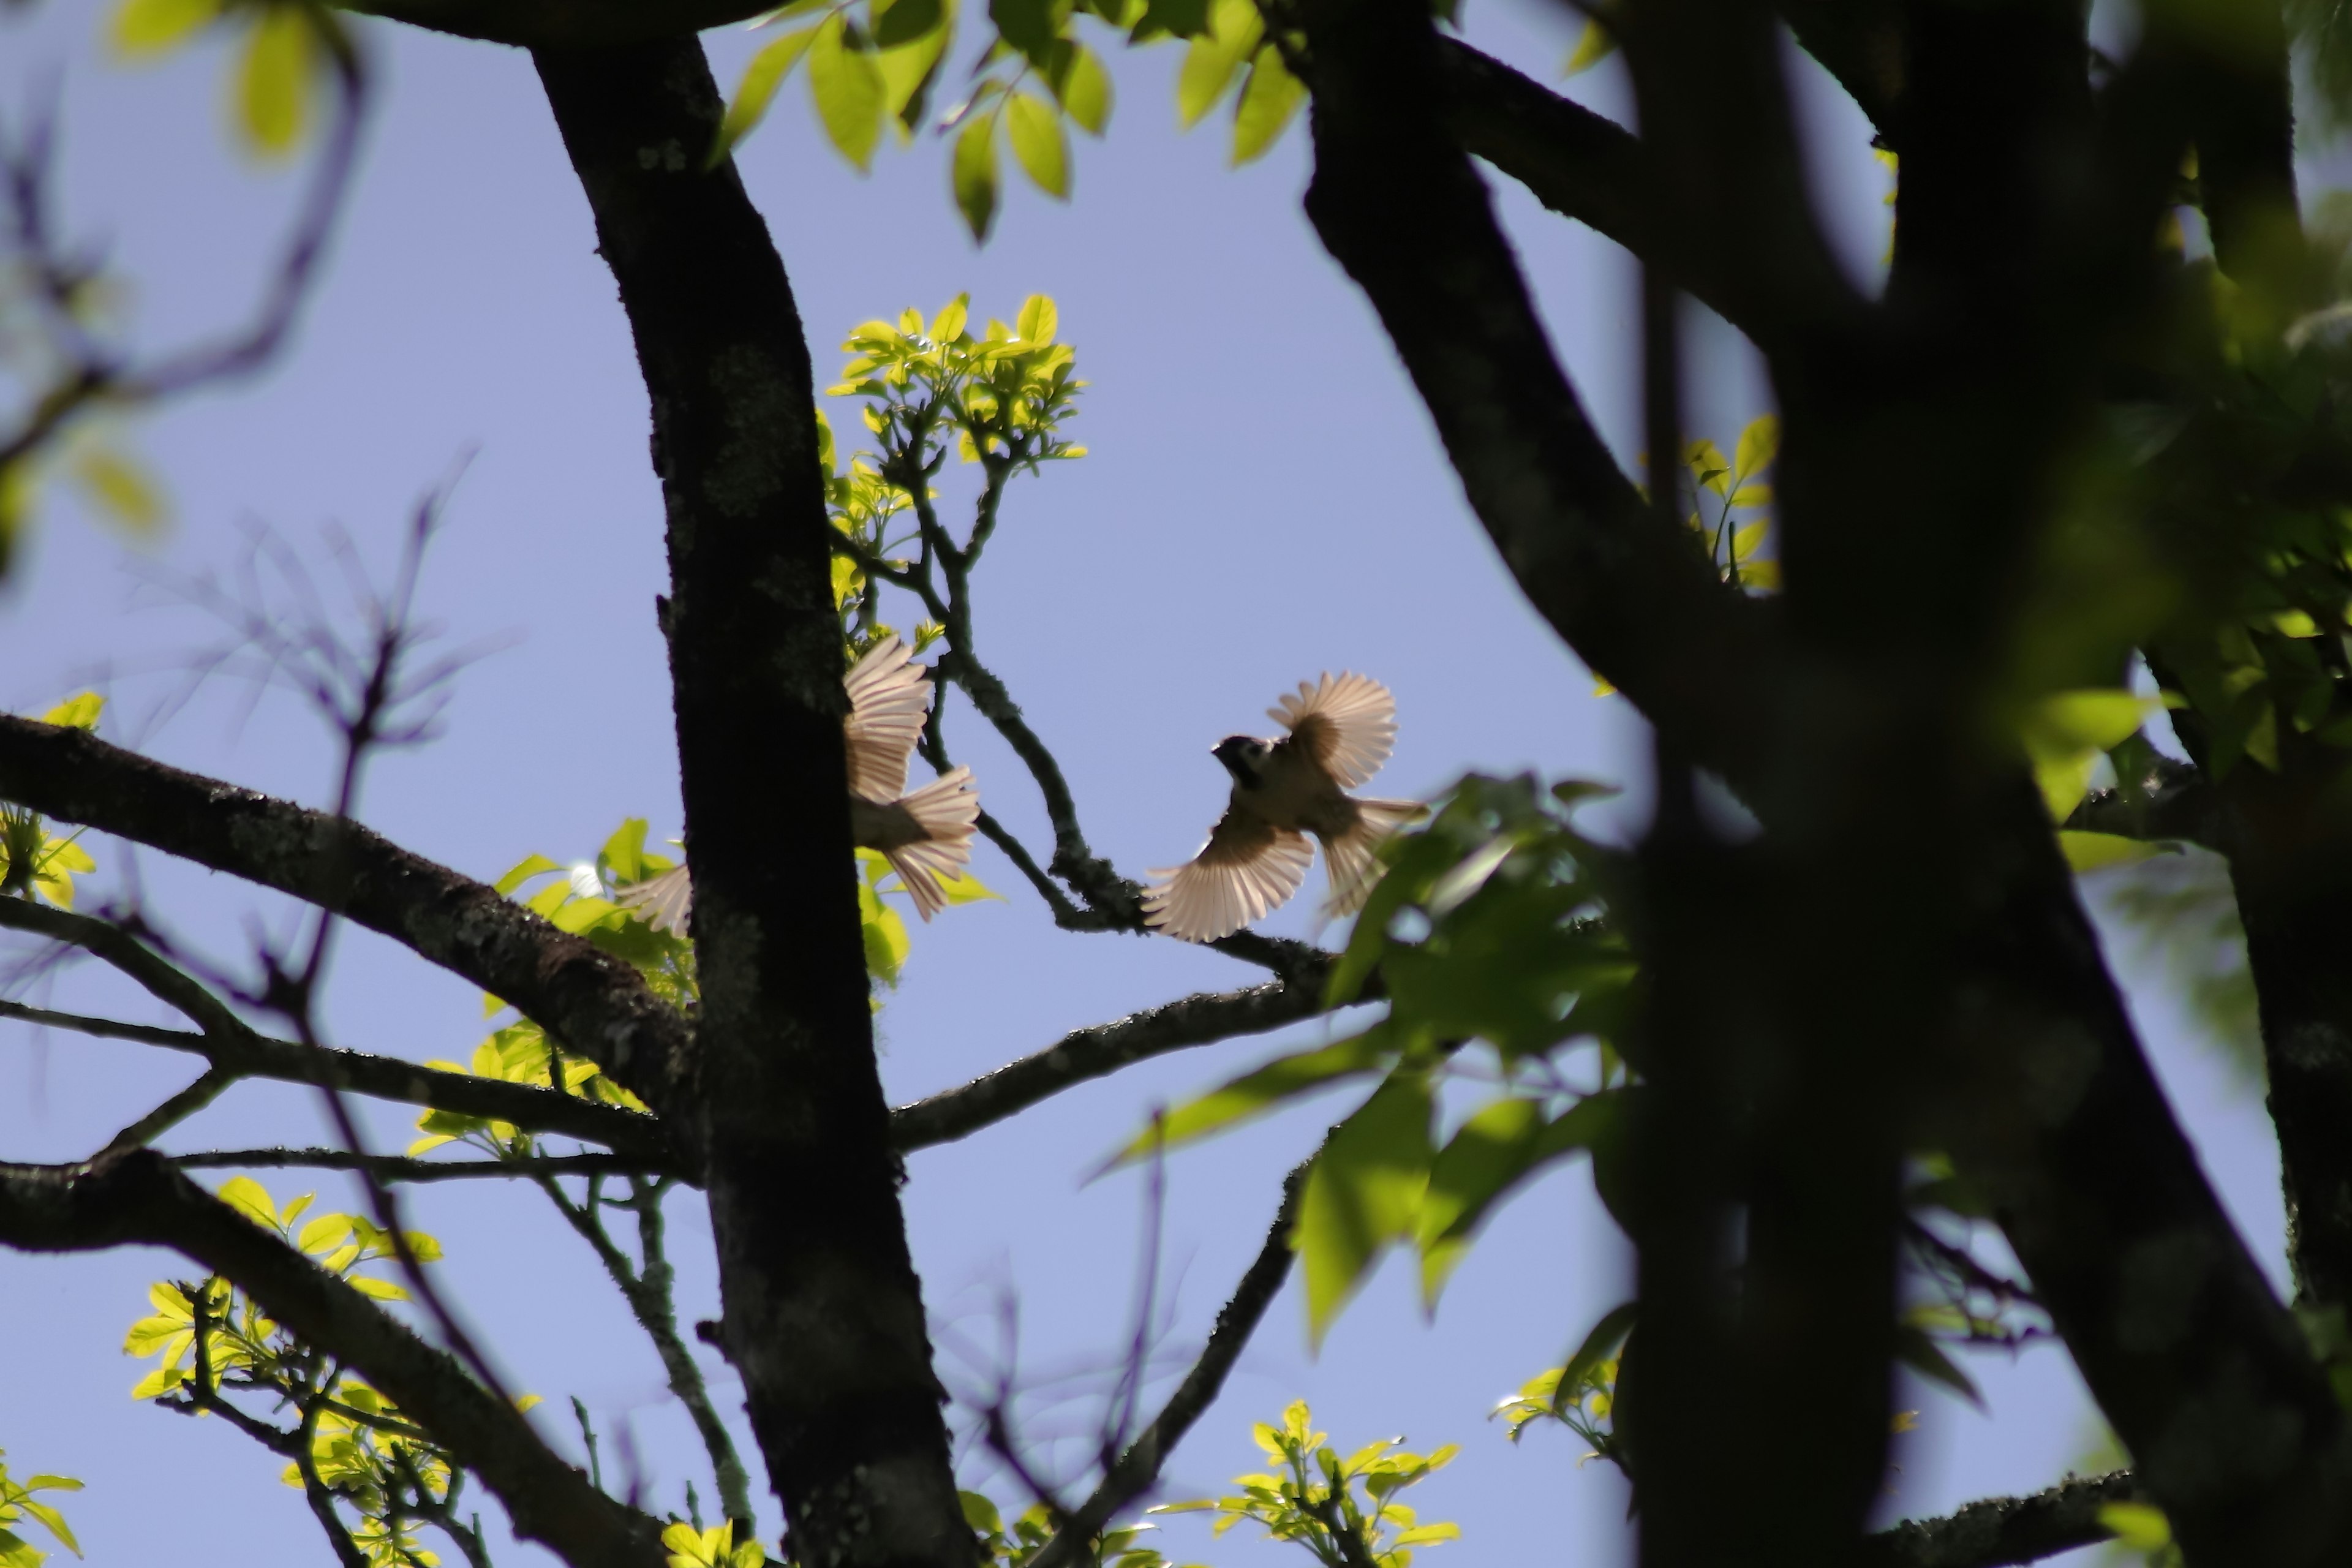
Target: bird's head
<point>1244,756</point>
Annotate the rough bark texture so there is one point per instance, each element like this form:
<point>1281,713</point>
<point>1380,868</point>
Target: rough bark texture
<point>597,1006</point>
<point>822,1313</point>
<point>2001,1530</point>
<point>137,1197</point>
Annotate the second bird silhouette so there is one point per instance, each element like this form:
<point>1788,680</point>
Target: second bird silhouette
<point>1341,731</point>
<point>926,836</point>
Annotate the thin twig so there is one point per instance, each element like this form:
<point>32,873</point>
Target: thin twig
<point>1138,1469</point>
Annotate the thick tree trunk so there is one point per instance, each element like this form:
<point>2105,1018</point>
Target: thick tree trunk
<point>823,1316</point>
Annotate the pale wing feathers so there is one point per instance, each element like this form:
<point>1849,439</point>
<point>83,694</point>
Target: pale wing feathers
<point>1349,861</point>
<point>889,695</point>
<point>1248,869</point>
<point>946,810</point>
<point>1347,722</point>
<point>665,902</point>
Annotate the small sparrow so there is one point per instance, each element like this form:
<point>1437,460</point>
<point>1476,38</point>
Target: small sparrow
<point>1257,854</point>
<point>926,836</point>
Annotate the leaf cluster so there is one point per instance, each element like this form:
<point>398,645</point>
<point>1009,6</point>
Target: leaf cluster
<point>1014,1545</point>
<point>348,1443</point>
<point>35,861</point>
<point>1343,1509</point>
<point>18,1504</point>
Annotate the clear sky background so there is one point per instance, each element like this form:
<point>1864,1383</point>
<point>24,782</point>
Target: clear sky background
<point>1264,501</point>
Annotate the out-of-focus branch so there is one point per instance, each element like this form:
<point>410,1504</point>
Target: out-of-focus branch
<point>408,1168</point>
<point>91,374</point>
<point>2000,1531</point>
<point>1588,168</point>
<point>1103,1050</point>
<point>1136,1469</point>
<point>594,1005</point>
<point>241,1052</point>
<point>137,1198</point>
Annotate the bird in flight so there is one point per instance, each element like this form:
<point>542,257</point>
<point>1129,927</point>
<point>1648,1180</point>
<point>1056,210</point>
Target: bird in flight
<point>1341,731</point>
<point>926,836</point>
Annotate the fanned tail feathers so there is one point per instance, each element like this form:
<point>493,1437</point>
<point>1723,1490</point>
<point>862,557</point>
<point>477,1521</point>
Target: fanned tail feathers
<point>1351,861</point>
<point>665,902</point>
<point>946,810</point>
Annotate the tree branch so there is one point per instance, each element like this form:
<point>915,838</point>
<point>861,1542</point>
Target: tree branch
<point>1588,168</point>
<point>1996,1531</point>
<point>207,1088</point>
<point>243,1053</point>
<point>1638,603</point>
<point>408,1168</point>
<point>595,1005</point>
<point>138,1198</point>
<point>1138,1468</point>
<point>1099,1051</point>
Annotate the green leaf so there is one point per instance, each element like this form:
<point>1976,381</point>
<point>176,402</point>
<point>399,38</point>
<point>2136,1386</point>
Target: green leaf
<point>2138,1525</point>
<point>899,21</point>
<point>534,866</point>
<point>1039,144</point>
<point>1026,24</point>
<point>1599,1345</point>
<point>1038,322</point>
<point>1177,19</point>
<point>157,26</point>
<point>1363,1193</point>
<point>78,712</point>
<point>624,854</point>
<point>1595,44</point>
<point>1916,1350</point>
<point>908,69</point>
<point>1083,88</point>
<point>1757,446</point>
<point>1501,1146</point>
<point>1233,34</point>
<point>848,91</point>
<point>974,172</point>
<point>249,1198</point>
<point>1260,1090</point>
<point>1269,98</point>
<point>761,76</point>
<point>274,80</point>
<point>2097,851</point>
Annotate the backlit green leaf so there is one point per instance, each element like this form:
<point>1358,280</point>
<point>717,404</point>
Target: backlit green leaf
<point>1269,98</point>
<point>274,80</point>
<point>2097,851</point>
<point>1038,320</point>
<point>1362,1193</point>
<point>1214,54</point>
<point>1595,44</point>
<point>848,91</point>
<point>1039,143</point>
<point>974,172</point>
<point>156,26</point>
<point>1083,88</point>
<point>1757,446</point>
<point>1258,1091</point>
<point>761,76</point>
<point>2141,1526</point>
<point>1599,1345</point>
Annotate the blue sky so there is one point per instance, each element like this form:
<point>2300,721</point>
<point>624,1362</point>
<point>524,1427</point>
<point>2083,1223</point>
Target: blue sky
<point>1265,499</point>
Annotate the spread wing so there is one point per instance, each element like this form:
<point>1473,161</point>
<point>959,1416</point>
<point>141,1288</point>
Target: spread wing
<point>1346,723</point>
<point>1248,867</point>
<point>889,695</point>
